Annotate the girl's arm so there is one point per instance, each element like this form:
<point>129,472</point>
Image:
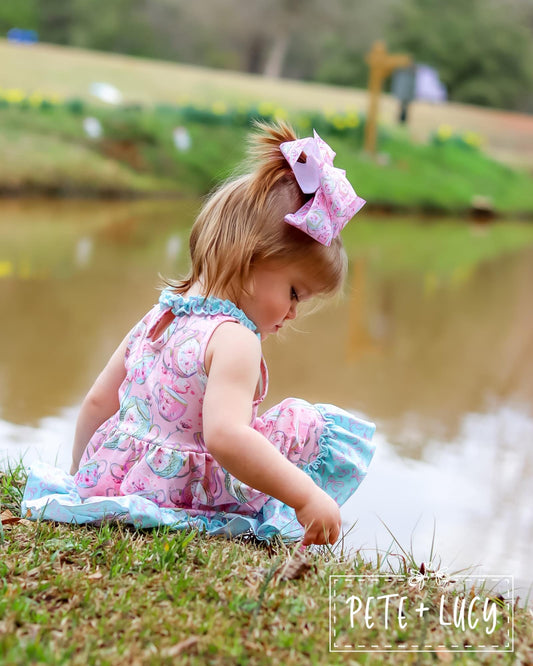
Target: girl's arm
<point>233,360</point>
<point>100,403</point>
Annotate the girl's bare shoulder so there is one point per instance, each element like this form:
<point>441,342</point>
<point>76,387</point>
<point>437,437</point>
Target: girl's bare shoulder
<point>233,342</point>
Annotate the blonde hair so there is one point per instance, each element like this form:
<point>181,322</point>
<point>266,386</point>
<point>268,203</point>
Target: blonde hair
<point>242,224</point>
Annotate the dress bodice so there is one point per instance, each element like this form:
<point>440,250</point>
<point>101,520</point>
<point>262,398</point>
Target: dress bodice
<point>161,397</point>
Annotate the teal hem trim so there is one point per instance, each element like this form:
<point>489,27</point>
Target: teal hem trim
<point>51,494</point>
<point>341,430</point>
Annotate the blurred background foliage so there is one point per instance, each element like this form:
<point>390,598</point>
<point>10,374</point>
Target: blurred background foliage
<point>482,48</point>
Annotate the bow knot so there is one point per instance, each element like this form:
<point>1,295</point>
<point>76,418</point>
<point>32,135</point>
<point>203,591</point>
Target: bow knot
<point>335,202</point>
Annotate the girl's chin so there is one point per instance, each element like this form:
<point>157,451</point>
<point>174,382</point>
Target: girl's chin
<point>276,329</point>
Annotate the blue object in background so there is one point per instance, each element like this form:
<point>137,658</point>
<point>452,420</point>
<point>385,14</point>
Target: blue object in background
<point>22,36</point>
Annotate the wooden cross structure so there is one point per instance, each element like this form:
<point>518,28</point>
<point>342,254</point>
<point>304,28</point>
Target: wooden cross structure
<point>381,64</point>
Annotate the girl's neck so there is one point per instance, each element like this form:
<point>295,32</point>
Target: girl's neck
<point>197,289</point>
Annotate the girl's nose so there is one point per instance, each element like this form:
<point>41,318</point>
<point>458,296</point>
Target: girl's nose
<point>291,314</point>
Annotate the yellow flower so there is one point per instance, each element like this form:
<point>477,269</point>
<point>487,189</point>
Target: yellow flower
<point>219,108</point>
<point>352,119</point>
<point>6,269</point>
<point>14,96</point>
<point>444,132</point>
<point>472,139</point>
<point>266,108</point>
<point>280,113</point>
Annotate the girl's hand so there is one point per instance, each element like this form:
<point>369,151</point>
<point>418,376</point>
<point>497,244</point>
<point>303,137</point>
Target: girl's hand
<point>233,359</point>
<point>321,518</point>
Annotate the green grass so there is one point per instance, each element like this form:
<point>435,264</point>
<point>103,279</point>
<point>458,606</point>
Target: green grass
<point>434,178</point>
<point>113,595</point>
<point>47,152</point>
<point>54,157</point>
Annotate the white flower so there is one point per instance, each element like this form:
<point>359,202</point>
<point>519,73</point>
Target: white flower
<point>417,579</point>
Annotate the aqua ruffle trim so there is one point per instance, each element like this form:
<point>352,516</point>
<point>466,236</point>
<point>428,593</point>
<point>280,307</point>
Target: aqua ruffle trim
<point>210,306</point>
<point>345,453</point>
<point>51,494</point>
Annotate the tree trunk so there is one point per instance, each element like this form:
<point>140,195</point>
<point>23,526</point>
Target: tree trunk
<point>276,57</point>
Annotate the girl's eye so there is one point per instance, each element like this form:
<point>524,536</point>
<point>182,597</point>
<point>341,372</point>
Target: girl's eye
<point>294,295</point>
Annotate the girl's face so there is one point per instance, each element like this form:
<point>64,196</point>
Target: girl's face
<point>275,291</point>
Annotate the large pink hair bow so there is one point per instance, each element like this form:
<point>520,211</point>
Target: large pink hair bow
<point>335,202</point>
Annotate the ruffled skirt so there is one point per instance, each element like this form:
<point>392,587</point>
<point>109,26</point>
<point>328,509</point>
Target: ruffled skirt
<point>142,484</point>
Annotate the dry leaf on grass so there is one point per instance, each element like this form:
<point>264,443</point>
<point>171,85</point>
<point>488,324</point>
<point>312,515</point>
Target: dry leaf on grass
<point>7,518</point>
<point>95,576</point>
<point>295,567</point>
<point>180,647</point>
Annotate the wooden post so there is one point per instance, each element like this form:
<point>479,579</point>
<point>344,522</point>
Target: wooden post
<point>381,65</point>
<point>359,341</point>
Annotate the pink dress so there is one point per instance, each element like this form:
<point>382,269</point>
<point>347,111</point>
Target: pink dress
<point>154,447</point>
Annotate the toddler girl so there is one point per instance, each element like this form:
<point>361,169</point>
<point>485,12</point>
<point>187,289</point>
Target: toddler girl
<point>173,416</point>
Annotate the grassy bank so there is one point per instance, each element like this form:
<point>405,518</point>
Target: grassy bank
<point>111,595</point>
<point>47,151</point>
<point>67,72</point>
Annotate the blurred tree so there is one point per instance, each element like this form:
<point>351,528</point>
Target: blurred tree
<point>56,19</point>
<point>114,25</point>
<point>18,14</point>
<point>288,17</point>
<point>480,48</point>
<point>253,36</point>
<point>354,26</point>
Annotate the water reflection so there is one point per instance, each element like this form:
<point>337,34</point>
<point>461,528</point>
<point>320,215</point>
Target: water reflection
<point>63,316</point>
<point>444,366</point>
<point>420,361</point>
<point>475,499</point>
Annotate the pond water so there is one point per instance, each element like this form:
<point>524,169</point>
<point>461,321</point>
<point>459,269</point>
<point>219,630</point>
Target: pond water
<point>432,340</point>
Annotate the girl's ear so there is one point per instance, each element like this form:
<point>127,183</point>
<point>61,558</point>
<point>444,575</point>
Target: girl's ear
<point>248,286</point>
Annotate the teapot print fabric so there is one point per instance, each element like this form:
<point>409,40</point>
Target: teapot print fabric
<point>153,446</point>
<point>148,464</point>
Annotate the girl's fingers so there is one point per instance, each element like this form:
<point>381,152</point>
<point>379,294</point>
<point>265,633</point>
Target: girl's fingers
<point>318,538</point>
